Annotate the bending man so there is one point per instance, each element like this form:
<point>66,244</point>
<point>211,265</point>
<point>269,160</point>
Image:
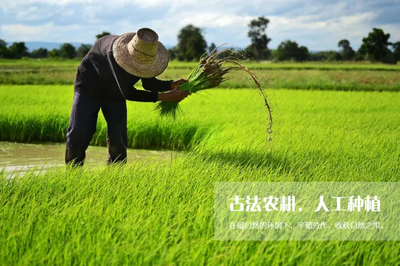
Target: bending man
<point>105,80</point>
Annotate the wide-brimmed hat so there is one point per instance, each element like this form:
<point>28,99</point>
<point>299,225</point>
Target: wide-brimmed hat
<point>140,53</point>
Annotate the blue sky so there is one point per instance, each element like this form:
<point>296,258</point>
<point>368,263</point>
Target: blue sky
<point>319,25</point>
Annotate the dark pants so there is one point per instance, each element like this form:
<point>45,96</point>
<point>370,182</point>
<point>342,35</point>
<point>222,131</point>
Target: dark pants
<point>82,127</point>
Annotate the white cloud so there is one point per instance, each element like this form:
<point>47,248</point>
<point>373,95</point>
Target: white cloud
<point>7,5</point>
<point>22,32</point>
<point>214,20</point>
<point>318,25</point>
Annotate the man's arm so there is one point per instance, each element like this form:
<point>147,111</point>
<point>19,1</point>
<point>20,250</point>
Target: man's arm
<point>132,94</point>
<point>153,84</point>
<point>172,96</point>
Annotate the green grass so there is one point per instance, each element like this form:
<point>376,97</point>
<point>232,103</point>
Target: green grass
<point>148,215</point>
<point>293,79</point>
<point>312,76</point>
<point>162,213</point>
<point>50,63</point>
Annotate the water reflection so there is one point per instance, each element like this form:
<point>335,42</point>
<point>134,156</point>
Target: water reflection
<point>17,158</point>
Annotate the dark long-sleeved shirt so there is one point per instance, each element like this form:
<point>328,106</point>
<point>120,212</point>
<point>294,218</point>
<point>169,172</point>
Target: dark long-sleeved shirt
<point>99,75</point>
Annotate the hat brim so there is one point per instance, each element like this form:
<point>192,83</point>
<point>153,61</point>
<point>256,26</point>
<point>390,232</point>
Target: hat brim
<point>127,62</point>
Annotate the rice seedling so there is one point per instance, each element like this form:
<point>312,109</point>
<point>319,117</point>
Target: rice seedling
<point>210,73</point>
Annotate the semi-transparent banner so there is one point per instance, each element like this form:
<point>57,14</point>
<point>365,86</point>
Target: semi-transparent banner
<point>364,211</point>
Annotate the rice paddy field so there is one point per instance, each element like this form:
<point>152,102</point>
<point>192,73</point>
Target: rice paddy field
<point>332,122</point>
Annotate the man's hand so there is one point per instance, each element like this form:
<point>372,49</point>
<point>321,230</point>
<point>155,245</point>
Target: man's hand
<point>172,96</point>
<point>176,83</point>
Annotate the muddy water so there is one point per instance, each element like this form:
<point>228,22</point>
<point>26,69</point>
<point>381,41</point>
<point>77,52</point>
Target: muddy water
<point>17,158</point>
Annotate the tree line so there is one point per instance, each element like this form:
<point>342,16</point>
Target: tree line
<point>18,50</point>
<point>375,47</point>
<point>67,51</point>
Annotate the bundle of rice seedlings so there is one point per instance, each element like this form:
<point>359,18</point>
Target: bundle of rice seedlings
<point>209,73</point>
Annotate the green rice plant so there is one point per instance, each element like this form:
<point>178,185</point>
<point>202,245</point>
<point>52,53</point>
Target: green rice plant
<point>162,213</point>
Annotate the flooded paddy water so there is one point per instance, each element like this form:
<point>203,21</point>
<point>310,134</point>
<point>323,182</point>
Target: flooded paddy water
<point>17,158</point>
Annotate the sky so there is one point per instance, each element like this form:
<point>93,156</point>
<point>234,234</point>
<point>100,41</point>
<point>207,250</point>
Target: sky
<point>318,25</point>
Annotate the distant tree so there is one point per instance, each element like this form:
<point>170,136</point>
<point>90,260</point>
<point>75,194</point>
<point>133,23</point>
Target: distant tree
<point>191,43</point>
<point>212,47</point>
<point>39,53</point>
<point>359,57</point>
<point>289,50</point>
<point>104,33</point>
<point>302,54</point>
<point>83,50</point>
<point>55,53</point>
<point>335,56</point>
<point>325,56</point>
<point>67,50</point>
<point>346,51</point>
<point>173,53</point>
<point>375,46</point>
<point>259,39</point>
<point>4,53</point>
<point>396,51</point>
<point>252,52</point>
<point>18,50</point>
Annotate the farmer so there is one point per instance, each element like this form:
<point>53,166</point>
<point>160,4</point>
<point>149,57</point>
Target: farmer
<point>105,80</point>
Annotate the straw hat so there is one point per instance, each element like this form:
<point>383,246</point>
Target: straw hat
<point>141,54</point>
